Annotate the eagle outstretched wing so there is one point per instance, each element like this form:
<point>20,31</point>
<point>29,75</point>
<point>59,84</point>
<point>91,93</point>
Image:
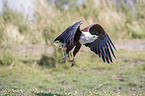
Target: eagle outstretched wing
<point>103,45</point>
<point>67,38</point>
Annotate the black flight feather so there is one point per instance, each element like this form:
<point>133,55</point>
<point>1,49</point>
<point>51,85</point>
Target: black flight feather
<point>67,37</point>
<point>102,45</point>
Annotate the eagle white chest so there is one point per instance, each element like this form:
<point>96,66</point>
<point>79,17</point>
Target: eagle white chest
<point>86,37</point>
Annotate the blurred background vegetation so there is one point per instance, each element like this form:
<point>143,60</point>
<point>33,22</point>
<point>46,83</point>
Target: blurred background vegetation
<point>26,43</point>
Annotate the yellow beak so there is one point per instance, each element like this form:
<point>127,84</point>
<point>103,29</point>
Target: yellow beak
<point>95,37</point>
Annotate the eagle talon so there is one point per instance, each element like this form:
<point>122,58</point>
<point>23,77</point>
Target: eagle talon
<point>64,59</point>
<point>72,64</point>
<point>71,61</point>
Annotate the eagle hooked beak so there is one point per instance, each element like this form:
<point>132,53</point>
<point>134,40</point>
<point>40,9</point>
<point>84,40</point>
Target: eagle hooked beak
<point>95,37</point>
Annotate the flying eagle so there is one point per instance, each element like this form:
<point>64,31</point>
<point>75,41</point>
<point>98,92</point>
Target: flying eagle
<point>92,36</point>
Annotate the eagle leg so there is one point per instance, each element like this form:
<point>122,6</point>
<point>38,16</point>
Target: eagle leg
<point>69,48</point>
<point>77,48</point>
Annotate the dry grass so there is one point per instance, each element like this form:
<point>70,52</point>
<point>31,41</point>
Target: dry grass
<point>51,20</point>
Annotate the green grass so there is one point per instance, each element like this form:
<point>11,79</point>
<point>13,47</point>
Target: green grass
<point>89,76</point>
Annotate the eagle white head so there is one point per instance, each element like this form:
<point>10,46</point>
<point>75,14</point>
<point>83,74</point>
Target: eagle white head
<point>86,37</point>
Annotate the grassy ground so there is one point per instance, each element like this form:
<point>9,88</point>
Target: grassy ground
<point>126,76</point>
<point>23,72</point>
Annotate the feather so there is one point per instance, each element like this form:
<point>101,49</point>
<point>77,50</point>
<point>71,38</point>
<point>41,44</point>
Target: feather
<point>103,45</point>
<point>111,43</point>
<point>103,57</point>
<point>67,37</point>
<point>108,53</point>
<point>109,46</point>
<point>107,60</point>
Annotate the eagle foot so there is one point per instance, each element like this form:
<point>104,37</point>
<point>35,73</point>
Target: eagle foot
<point>64,59</point>
<point>73,62</point>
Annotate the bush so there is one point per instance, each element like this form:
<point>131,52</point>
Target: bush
<point>7,59</point>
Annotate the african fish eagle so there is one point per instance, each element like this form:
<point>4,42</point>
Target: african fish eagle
<point>92,36</point>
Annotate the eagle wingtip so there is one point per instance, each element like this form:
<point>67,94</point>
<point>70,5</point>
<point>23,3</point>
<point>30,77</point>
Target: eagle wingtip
<point>80,22</point>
